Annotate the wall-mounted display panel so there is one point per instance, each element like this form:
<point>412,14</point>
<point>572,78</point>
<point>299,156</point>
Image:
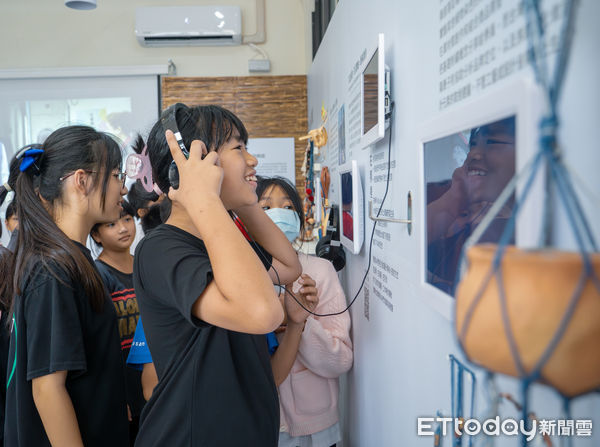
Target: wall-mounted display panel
<point>352,208</point>
<point>468,157</point>
<point>373,94</point>
<point>465,172</point>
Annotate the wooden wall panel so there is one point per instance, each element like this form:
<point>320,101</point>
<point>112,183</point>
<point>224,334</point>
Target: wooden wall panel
<point>269,106</point>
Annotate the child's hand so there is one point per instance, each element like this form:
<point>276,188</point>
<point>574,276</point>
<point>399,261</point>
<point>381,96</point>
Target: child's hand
<point>198,178</point>
<point>307,295</point>
<point>457,196</point>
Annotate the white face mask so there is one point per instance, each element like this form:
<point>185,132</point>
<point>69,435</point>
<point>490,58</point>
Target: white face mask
<point>287,221</point>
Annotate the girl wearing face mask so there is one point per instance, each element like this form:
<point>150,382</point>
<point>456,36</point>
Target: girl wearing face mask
<point>309,394</point>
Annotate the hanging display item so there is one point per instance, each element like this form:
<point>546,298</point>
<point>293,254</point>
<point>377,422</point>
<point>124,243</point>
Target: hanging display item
<point>317,138</point>
<point>535,314</point>
<point>529,297</point>
<point>309,188</point>
<point>325,209</point>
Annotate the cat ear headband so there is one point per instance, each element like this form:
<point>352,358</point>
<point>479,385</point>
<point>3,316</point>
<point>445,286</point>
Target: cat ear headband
<point>137,167</point>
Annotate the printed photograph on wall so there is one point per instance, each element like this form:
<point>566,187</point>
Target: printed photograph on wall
<point>341,125</point>
<point>464,174</point>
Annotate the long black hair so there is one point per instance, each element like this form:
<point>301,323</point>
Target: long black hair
<point>6,257</point>
<point>211,124</point>
<point>38,190</point>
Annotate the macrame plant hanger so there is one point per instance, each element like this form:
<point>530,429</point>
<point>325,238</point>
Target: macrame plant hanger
<point>557,181</point>
<point>458,373</point>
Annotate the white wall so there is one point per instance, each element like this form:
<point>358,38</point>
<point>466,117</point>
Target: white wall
<point>401,370</point>
<point>42,33</point>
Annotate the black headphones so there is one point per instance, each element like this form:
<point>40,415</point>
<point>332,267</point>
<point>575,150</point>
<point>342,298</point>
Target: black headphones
<point>168,120</point>
<point>329,246</point>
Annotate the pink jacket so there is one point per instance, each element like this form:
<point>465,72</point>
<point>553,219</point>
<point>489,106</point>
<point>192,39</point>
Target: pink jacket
<point>308,396</point>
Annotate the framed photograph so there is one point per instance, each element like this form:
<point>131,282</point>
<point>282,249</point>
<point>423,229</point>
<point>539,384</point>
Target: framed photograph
<point>468,156</point>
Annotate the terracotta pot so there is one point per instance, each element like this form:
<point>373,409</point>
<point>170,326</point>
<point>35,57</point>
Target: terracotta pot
<point>538,286</point>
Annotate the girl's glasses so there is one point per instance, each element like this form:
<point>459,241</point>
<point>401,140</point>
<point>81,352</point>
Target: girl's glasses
<point>120,176</point>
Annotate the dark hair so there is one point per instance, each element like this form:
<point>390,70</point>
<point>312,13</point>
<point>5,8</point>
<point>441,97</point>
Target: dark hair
<point>139,198</point>
<point>40,241</point>
<point>156,214</point>
<point>211,124</point>
<point>265,183</point>
<point>504,125</point>
<point>11,209</point>
<point>127,211</point>
<point>6,257</point>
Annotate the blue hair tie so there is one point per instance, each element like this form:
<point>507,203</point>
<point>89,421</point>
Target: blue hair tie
<point>29,158</point>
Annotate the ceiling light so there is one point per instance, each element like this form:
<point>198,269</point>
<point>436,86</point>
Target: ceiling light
<point>81,4</point>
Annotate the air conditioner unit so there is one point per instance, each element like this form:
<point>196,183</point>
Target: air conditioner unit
<point>188,25</point>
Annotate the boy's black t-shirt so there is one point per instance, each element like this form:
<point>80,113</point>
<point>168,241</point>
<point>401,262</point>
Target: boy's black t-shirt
<point>56,329</point>
<point>215,386</point>
<point>122,293</point>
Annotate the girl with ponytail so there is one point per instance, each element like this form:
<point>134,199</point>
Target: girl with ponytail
<point>65,378</point>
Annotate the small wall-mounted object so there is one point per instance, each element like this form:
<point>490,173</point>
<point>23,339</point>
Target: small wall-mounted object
<point>318,136</point>
<point>329,246</point>
<point>259,65</point>
<point>169,26</point>
<point>82,5</point>
<point>407,221</point>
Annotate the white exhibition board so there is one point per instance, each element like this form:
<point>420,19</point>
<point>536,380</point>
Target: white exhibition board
<point>447,59</point>
<point>275,157</point>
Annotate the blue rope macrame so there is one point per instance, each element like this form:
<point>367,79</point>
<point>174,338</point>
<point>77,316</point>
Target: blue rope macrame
<point>457,378</point>
<point>548,157</point>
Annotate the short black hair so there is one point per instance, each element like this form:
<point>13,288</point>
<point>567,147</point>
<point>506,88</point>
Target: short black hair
<point>264,183</point>
<point>211,124</point>
<point>127,209</point>
<point>139,198</point>
<point>11,209</point>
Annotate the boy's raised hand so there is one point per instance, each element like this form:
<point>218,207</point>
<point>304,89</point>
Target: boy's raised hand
<point>198,178</point>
